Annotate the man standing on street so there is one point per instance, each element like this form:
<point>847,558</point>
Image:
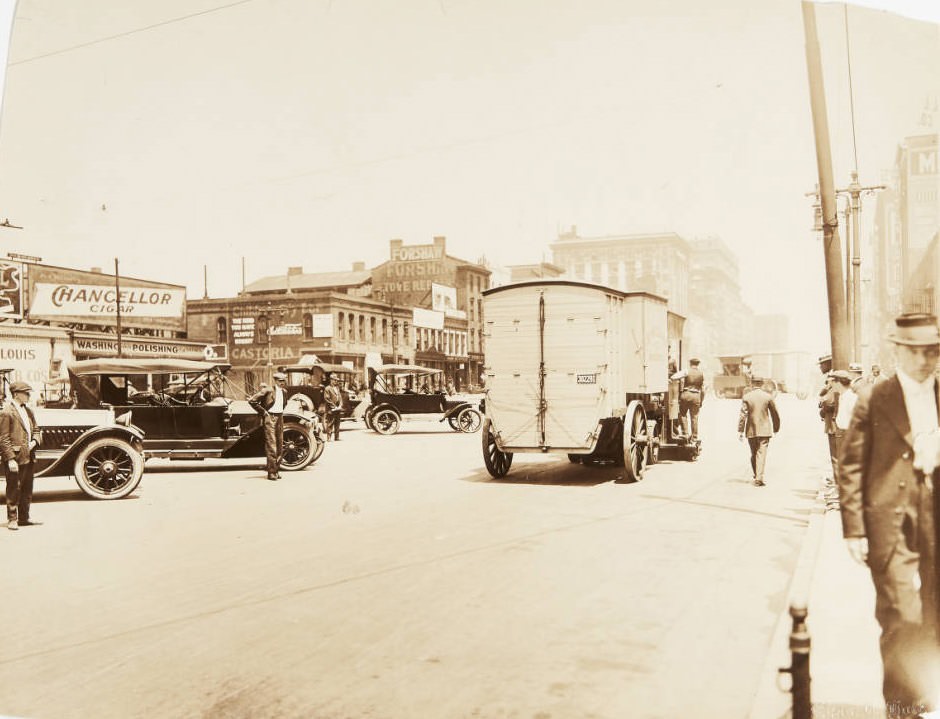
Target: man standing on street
<point>269,403</point>
<point>19,439</point>
<point>758,421</point>
<point>886,478</point>
<point>333,400</point>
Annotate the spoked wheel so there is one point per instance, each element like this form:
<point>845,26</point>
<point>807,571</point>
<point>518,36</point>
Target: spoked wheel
<point>636,442</point>
<point>497,462</point>
<point>108,468</point>
<point>452,421</point>
<point>469,420</point>
<point>367,418</point>
<point>299,447</point>
<point>386,421</point>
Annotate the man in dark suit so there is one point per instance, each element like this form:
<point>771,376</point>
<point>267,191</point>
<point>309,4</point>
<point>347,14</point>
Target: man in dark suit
<point>19,439</point>
<point>691,397</point>
<point>758,420</point>
<point>887,472</point>
<point>269,402</point>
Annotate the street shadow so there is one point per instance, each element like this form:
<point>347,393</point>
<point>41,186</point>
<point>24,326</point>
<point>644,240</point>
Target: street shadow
<point>561,473</point>
<point>52,496</point>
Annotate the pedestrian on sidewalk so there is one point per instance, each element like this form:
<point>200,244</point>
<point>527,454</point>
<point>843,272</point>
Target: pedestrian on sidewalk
<point>887,471</point>
<point>333,400</point>
<point>837,381</point>
<point>20,437</point>
<point>758,421</point>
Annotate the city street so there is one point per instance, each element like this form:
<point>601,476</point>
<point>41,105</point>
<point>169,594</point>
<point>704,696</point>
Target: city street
<point>395,579</point>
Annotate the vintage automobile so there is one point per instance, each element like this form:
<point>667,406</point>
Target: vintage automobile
<point>305,383</point>
<point>398,391</point>
<point>101,450</point>
<point>183,409</point>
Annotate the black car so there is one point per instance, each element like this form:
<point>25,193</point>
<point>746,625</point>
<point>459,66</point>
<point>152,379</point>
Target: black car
<point>97,446</point>
<point>400,391</point>
<point>183,409</point>
<point>305,383</point>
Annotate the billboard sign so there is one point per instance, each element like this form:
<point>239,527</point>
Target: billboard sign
<point>11,289</point>
<point>63,295</point>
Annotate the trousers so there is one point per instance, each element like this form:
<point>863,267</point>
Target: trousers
<point>273,441</point>
<point>758,447</point>
<point>19,491</point>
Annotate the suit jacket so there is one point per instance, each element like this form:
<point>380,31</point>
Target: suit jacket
<point>875,468</point>
<point>758,417</point>
<point>13,437</point>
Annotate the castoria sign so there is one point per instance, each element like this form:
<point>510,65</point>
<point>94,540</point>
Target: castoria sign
<point>62,295</point>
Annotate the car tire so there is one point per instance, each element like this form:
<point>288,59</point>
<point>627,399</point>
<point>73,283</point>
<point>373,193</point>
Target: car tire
<point>386,421</point>
<point>108,468</point>
<point>299,448</point>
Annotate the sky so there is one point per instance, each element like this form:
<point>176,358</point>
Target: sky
<point>184,134</point>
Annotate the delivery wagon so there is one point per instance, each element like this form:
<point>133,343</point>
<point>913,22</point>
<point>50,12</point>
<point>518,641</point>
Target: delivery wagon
<point>577,369</point>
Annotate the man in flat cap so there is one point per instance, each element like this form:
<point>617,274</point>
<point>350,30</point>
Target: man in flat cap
<point>887,470</point>
<point>19,439</point>
<point>691,397</point>
<point>269,402</point>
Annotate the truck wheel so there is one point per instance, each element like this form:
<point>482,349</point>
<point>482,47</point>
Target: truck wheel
<point>299,447</point>
<point>108,468</point>
<point>497,462</point>
<point>635,442</point>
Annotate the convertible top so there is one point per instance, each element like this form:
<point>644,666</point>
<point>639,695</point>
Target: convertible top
<point>114,365</point>
<point>405,369</point>
<point>322,365</point>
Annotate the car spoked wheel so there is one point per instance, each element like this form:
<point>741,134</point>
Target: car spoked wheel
<point>386,421</point>
<point>469,420</point>
<point>298,448</point>
<point>108,468</point>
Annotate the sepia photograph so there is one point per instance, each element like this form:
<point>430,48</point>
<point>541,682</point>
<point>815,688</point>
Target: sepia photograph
<point>470,359</point>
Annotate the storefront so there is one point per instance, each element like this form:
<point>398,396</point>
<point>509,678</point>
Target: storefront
<point>37,355</point>
<point>91,345</point>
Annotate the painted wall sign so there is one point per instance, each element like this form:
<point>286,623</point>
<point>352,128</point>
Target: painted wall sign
<point>11,289</point>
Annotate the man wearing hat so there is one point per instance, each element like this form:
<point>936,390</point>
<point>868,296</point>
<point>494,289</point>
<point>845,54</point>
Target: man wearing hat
<point>690,398</point>
<point>269,402</point>
<point>886,476</point>
<point>758,421</point>
<point>19,439</point>
<point>333,399</point>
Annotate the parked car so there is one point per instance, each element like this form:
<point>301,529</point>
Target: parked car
<point>305,383</point>
<point>99,447</point>
<point>398,391</point>
<point>185,412</point>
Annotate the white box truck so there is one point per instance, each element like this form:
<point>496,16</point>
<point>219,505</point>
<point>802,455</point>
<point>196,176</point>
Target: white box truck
<point>575,368</point>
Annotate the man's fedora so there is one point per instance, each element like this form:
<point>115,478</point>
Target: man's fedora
<point>916,329</point>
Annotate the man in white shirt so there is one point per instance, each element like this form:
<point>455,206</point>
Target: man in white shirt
<point>19,439</point>
<point>269,403</point>
<point>887,471</point>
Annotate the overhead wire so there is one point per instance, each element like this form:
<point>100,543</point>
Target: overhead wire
<point>119,35</point>
<point>848,61</point>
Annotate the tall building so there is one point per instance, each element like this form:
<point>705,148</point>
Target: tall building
<point>657,263</point>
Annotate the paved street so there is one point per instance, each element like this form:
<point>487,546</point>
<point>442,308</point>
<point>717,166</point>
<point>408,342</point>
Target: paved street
<point>395,579</point>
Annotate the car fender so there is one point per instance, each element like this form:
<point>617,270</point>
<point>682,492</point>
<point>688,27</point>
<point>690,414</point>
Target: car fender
<point>65,465</point>
<point>454,411</point>
<point>385,405</point>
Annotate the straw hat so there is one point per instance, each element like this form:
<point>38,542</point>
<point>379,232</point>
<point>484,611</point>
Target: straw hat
<point>917,329</point>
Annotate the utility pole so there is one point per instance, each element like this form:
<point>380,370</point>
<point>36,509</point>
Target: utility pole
<point>854,192</point>
<point>827,195</point>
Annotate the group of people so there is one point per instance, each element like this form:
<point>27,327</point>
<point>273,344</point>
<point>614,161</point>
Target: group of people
<point>884,439</point>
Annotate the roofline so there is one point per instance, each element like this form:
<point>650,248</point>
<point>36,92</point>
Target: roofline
<point>575,283</point>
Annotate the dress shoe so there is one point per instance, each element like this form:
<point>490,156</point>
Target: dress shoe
<point>272,477</point>
<point>13,524</point>
<point>760,483</point>
<point>278,476</point>
<point>29,523</point>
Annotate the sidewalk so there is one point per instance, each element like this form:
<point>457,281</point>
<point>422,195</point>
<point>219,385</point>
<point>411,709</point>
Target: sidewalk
<point>845,664</point>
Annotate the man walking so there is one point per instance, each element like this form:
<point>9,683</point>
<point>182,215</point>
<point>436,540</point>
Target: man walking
<point>887,474</point>
<point>758,421</point>
<point>19,439</point>
<point>269,403</point>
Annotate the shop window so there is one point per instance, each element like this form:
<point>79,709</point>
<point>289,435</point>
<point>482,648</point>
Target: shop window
<point>221,331</point>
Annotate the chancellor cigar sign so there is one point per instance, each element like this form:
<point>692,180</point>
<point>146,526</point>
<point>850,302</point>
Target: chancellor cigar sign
<point>92,298</point>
